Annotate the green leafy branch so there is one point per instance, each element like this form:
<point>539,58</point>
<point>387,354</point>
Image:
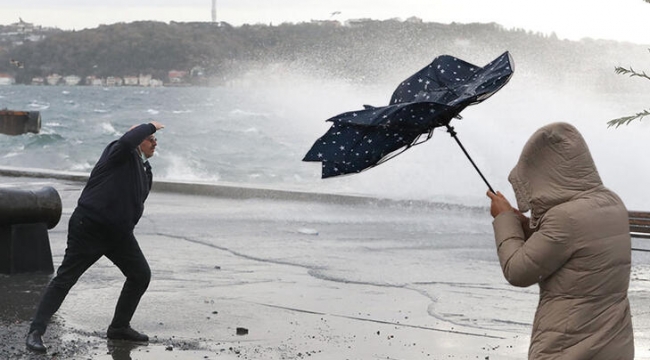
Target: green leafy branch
<point>640,115</point>
<point>631,72</point>
<point>625,120</point>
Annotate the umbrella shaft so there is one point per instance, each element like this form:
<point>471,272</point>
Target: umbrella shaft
<point>451,131</point>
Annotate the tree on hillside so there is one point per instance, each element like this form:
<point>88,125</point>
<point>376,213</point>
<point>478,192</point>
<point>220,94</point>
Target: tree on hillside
<point>640,115</point>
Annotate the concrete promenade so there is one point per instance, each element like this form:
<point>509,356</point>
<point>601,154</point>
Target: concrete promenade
<point>207,300</point>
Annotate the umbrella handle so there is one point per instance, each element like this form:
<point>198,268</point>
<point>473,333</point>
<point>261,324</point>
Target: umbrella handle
<point>451,131</point>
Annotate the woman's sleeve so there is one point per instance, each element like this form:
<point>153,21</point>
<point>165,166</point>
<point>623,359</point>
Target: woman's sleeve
<point>527,262</point>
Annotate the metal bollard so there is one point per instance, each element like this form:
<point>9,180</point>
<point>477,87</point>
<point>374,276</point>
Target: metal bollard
<point>25,217</point>
<point>28,206</point>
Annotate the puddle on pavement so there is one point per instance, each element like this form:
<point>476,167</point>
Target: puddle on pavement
<point>120,350</point>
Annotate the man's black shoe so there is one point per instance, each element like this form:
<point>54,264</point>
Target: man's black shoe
<point>34,342</point>
<point>125,333</point>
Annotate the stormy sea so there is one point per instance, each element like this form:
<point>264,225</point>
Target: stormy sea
<point>256,132</point>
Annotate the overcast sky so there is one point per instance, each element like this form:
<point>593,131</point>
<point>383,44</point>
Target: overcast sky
<point>625,20</point>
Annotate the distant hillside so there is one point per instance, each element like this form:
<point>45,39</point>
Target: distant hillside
<point>364,51</point>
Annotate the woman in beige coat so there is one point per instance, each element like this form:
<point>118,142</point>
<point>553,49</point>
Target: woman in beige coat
<point>576,246</point>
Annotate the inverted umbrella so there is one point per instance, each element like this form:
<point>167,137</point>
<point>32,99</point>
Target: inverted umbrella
<point>430,98</point>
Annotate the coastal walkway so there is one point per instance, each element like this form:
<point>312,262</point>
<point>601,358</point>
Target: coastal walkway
<point>209,282</point>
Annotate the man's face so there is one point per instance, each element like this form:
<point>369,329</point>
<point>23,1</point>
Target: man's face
<point>148,146</point>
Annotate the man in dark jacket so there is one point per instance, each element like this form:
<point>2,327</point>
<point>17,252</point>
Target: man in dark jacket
<point>110,206</point>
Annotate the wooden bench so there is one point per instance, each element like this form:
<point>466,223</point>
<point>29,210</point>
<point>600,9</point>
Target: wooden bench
<point>639,224</point>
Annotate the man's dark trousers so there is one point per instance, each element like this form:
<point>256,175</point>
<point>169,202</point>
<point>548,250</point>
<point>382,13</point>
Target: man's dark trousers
<point>88,241</point>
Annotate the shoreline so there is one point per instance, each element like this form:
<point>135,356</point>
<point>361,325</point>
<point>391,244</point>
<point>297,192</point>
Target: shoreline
<point>239,191</point>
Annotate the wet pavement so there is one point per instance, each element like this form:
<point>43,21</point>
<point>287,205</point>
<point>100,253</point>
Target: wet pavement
<point>209,299</point>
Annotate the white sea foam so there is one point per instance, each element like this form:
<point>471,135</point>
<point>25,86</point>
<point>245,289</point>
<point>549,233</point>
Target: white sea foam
<point>183,169</point>
<point>47,130</point>
<point>107,128</point>
<point>245,113</point>
<point>81,167</point>
<point>37,105</point>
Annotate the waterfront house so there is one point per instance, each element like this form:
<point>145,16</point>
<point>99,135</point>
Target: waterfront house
<point>72,80</point>
<point>131,81</point>
<point>6,79</point>
<point>113,81</point>
<point>53,79</point>
<point>144,80</point>
<point>176,76</point>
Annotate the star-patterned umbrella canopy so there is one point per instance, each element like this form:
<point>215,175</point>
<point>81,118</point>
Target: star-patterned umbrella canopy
<point>358,140</point>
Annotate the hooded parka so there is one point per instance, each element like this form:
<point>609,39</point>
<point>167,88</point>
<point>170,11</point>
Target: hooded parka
<point>579,252</point>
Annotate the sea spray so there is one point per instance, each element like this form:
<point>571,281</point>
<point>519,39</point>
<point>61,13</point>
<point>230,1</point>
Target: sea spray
<point>256,132</point>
